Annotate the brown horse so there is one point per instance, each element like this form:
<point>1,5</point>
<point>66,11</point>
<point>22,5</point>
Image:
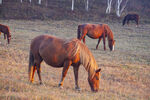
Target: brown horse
<point>130,17</point>
<point>5,29</point>
<point>96,31</point>
<point>63,53</point>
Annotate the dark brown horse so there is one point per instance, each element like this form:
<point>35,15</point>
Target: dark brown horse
<point>130,17</point>
<point>96,31</point>
<point>63,53</point>
<point>5,29</point>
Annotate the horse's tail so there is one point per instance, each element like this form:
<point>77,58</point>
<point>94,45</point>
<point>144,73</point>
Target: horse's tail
<point>124,20</point>
<point>79,32</point>
<point>31,64</point>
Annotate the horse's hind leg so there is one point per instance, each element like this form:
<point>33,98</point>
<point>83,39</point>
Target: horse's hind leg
<point>64,72</point>
<point>128,22</point>
<point>39,72</point>
<point>99,40</point>
<point>33,71</point>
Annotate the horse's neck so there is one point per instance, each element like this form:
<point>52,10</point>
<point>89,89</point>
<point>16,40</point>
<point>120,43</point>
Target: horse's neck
<point>88,61</point>
<point>109,34</point>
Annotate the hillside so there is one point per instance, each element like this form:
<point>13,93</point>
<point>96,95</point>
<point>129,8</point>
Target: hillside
<point>61,9</point>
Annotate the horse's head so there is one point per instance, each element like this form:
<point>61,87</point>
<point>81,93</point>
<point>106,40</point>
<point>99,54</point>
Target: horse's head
<point>111,45</point>
<point>94,82</point>
<point>8,37</point>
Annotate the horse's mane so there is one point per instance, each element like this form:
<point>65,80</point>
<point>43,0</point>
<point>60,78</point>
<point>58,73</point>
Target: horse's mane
<point>74,42</point>
<point>88,60</point>
<point>86,57</point>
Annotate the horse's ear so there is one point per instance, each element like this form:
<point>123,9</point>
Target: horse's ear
<point>98,70</point>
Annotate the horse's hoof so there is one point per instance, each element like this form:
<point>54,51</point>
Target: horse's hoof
<point>60,86</point>
<point>41,83</point>
<point>77,88</point>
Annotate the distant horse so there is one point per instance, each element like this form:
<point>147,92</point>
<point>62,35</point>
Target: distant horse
<point>96,31</point>
<point>129,17</point>
<point>5,29</point>
<point>63,53</point>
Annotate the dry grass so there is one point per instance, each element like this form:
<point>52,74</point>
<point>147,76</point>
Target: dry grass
<point>125,72</point>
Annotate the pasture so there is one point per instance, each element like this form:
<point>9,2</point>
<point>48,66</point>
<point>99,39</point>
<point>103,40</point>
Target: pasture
<point>125,72</point>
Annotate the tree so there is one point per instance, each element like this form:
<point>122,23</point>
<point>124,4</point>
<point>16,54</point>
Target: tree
<point>120,6</point>
<point>40,2</point>
<point>0,1</point>
<point>72,7</point>
<point>87,5</point>
<point>108,6</point>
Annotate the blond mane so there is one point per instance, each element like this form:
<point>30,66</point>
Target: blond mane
<point>86,57</point>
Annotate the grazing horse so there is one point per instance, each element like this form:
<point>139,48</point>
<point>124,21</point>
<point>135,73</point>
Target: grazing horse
<point>129,17</point>
<point>96,31</point>
<point>63,53</point>
<point>5,29</point>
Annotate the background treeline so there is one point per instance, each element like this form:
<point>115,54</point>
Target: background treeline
<point>61,9</point>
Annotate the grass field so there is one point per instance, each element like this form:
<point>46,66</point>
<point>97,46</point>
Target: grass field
<point>125,72</point>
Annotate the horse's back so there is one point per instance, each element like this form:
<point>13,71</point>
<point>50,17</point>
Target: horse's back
<point>4,28</point>
<point>54,51</point>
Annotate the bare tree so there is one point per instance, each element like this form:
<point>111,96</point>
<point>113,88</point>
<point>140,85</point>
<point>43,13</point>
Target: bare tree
<point>87,5</point>
<point>40,2</point>
<point>120,6</point>
<point>72,7</point>
<point>108,6</point>
<point>0,1</point>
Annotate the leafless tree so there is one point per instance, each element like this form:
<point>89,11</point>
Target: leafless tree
<point>40,2</point>
<point>72,7</point>
<point>0,1</point>
<point>120,6</point>
<point>108,6</point>
<point>87,5</point>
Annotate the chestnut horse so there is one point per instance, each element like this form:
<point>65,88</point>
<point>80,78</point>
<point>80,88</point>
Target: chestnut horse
<point>58,53</point>
<point>5,29</point>
<point>129,17</point>
<point>96,31</point>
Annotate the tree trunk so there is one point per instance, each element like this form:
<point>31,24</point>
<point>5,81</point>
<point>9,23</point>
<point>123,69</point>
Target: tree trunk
<point>40,2</point>
<point>87,5</point>
<point>72,8</point>
<point>0,1</point>
<point>108,6</point>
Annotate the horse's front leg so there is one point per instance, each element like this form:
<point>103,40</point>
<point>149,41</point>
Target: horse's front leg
<point>64,72</point>
<point>99,40</point>
<point>84,40</point>
<point>104,42</point>
<point>76,69</point>
<point>4,36</point>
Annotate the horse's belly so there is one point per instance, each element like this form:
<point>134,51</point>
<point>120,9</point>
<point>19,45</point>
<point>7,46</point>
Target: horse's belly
<point>93,35</point>
<point>54,60</point>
